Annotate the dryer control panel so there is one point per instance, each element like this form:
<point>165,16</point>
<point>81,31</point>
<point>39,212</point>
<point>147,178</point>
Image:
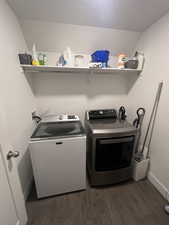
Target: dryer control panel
<point>102,114</point>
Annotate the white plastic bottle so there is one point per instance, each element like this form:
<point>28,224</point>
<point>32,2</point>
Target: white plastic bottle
<point>35,60</point>
<point>69,57</point>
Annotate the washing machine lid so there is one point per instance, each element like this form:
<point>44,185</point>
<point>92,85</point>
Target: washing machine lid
<point>58,129</point>
<point>109,126</point>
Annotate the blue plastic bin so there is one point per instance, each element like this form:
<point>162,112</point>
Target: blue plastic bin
<point>100,56</point>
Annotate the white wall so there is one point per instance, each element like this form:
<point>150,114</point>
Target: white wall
<point>76,93</point>
<point>54,37</point>
<point>18,99</point>
<point>155,44</point>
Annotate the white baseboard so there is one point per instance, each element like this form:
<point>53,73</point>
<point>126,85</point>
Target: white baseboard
<point>158,185</point>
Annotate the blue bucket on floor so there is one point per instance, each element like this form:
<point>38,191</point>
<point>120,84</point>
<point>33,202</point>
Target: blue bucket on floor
<point>100,56</point>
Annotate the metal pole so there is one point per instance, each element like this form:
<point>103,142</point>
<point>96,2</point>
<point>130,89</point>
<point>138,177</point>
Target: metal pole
<point>155,114</point>
<point>152,113</point>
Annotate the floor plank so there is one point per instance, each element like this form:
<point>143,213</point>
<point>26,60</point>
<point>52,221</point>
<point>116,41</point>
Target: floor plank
<point>132,203</point>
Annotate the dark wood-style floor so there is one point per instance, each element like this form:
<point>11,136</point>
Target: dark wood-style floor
<point>124,204</point>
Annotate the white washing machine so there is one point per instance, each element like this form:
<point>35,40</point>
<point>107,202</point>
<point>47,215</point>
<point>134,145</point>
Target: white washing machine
<point>58,154</point>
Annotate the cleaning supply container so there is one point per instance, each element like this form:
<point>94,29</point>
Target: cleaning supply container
<point>141,166</point>
<point>101,56</point>
<point>122,58</point>
<point>140,169</point>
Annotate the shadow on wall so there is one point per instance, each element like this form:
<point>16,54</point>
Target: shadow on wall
<point>75,93</point>
<point>25,164</point>
<point>28,77</point>
<point>91,85</point>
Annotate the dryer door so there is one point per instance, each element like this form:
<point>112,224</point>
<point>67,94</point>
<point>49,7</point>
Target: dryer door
<point>113,153</point>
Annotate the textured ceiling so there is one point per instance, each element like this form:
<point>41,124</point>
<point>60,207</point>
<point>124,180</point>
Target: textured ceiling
<point>134,15</point>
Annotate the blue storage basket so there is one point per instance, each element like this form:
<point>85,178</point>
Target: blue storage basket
<point>100,56</point>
